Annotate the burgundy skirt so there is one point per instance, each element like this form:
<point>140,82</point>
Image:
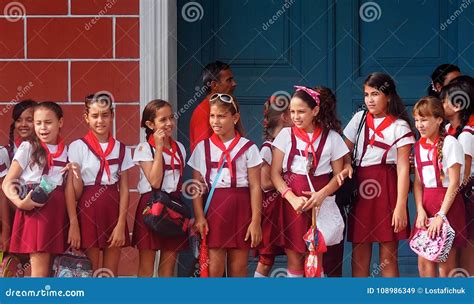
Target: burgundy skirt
<point>43,229</point>
<point>370,219</point>
<point>271,228</point>
<point>295,225</point>
<point>469,205</point>
<point>228,217</point>
<point>432,199</point>
<point>98,213</point>
<point>144,239</point>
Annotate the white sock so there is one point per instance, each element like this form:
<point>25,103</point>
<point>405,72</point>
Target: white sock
<point>258,275</point>
<point>294,274</point>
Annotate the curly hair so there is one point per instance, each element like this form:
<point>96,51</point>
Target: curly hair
<point>327,116</point>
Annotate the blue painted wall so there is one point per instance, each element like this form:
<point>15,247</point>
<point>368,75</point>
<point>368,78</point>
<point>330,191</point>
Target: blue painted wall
<point>272,45</point>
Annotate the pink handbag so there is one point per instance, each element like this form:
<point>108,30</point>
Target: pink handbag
<point>433,249</point>
<point>11,266</point>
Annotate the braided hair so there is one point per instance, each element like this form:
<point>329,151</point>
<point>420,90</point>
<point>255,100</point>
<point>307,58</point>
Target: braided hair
<point>431,106</point>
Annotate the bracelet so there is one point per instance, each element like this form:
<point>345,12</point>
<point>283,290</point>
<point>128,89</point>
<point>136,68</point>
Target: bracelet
<point>285,192</point>
<point>442,215</point>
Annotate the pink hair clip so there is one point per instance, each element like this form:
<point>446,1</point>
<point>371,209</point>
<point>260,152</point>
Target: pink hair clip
<point>311,92</point>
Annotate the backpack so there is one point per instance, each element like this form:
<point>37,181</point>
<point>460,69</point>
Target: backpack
<point>166,217</point>
<point>71,265</point>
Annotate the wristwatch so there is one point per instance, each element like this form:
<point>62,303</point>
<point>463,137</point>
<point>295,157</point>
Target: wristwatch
<point>442,215</point>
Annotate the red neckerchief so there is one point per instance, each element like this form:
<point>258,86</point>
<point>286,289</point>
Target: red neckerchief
<point>18,142</point>
<point>93,142</point>
<point>470,122</point>
<point>430,147</point>
<point>225,151</point>
<point>301,134</point>
<point>173,152</point>
<point>388,120</point>
<point>451,130</point>
<point>51,156</point>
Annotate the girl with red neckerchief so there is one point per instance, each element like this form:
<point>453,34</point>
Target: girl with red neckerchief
<point>41,229</point>
<point>231,162</point>
<point>161,160</point>
<point>100,164</point>
<point>439,162</point>
<point>276,117</point>
<point>457,99</point>
<point>313,144</point>
<point>21,127</point>
<point>380,213</point>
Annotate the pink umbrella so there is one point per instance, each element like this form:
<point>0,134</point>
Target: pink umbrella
<point>313,264</point>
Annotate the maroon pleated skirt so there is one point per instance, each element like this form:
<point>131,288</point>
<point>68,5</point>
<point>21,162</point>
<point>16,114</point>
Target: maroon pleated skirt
<point>432,199</point>
<point>370,219</point>
<point>144,239</point>
<point>295,225</point>
<point>98,213</point>
<point>43,229</point>
<point>271,228</point>
<point>229,216</point>
<point>468,197</point>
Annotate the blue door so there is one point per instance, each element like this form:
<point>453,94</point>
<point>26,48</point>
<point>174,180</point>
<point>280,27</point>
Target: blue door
<point>272,45</point>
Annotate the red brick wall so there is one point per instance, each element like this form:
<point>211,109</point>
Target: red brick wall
<point>63,50</point>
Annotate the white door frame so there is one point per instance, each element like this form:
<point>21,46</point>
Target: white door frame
<point>158,57</point>
<point>158,52</point>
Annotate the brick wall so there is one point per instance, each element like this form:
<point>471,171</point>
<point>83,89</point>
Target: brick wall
<point>63,50</point>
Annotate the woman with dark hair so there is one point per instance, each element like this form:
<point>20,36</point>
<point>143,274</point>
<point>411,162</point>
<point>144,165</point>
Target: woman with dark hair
<point>441,76</point>
<point>457,98</point>
<point>21,129</point>
<point>379,214</point>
